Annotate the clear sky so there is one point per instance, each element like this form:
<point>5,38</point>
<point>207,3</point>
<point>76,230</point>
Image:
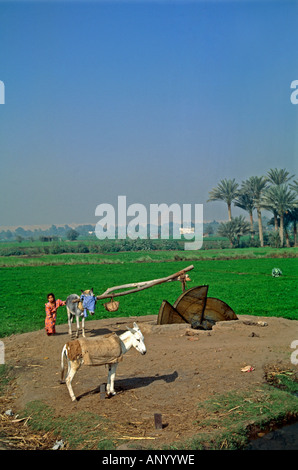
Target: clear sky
<point>155,100</point>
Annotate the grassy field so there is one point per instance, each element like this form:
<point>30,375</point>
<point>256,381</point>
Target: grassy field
<point>245,284</point>
<point>146,256</point>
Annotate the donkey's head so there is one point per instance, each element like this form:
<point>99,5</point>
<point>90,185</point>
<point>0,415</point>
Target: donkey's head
<point>137,339</point>
<point>88,300</point>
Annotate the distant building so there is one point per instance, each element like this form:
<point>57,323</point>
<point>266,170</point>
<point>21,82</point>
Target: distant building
<point>44,238</point>
<point>186,230</point>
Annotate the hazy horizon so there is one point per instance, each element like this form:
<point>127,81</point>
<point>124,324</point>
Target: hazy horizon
<point>157,101</point>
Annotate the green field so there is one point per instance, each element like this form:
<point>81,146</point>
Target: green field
<point>146,256</point>
<point>245,284</point>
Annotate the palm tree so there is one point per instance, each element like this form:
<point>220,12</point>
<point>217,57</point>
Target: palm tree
<point>241,227</point>
<point>226,190</point>
<point>285,201</point>
<point>245,201</point>
<point>293,216</point>
<point>290,217</point>
<point>234,229</point>
<point>274,239</point>
<point>287,223</point>
<point>226,229</point>
<point>294,186</point>
<point>276,176</point>
<point>269,199</point>
<point>254,187</point>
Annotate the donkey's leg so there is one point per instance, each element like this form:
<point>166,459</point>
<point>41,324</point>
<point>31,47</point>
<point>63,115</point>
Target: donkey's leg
<point>78,326</point>
<point>70,317</point>
<point>111,379</point>
<point>83,326</point>
<point>73,367</point>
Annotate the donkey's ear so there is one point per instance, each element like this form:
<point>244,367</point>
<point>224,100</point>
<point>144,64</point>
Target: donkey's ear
<point>129,329</point>
<point>135,326</point>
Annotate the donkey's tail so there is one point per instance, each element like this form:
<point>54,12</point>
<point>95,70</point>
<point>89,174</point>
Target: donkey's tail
<point>63,354</point>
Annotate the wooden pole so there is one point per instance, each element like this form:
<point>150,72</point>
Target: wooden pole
<point>139,286</point>
<point>158,420</point>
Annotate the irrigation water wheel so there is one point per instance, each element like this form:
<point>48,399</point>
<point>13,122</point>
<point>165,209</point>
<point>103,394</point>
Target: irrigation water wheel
<point>193,307</point>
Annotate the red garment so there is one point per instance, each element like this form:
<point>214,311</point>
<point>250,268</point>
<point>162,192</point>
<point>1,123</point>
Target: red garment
<point>51,314</point>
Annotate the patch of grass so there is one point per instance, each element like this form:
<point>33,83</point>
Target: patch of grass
<point>228,420</point>
<point>80,430</point>
<point>283,379</point>
<point>6,375</point>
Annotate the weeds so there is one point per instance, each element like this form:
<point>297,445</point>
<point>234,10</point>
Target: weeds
<point>6,374</point>
<point>81,430</point>
<point>228,421</point>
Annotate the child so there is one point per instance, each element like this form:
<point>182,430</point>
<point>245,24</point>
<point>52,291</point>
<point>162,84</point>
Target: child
<point>51,313</point>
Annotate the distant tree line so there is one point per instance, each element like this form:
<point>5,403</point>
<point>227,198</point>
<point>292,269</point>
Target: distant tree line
<point>94,246</point>
<point>52,233</point>
<point>275,192</point>
<point>82,232</point>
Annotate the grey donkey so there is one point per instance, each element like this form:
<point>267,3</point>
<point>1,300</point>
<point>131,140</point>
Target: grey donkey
<point>77,307</point>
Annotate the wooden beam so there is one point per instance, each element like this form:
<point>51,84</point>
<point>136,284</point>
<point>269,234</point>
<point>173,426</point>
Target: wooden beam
<point>139,286</point>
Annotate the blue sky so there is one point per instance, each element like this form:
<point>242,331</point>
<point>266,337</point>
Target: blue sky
<point>157,101</point>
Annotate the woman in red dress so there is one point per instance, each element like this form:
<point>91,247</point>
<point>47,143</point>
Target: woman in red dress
<point>51,313</point>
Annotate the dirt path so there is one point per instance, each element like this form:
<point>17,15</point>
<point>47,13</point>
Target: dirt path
<point>181,368</point>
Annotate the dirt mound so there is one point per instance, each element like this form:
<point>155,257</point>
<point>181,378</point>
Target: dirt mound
<point>182,367</point>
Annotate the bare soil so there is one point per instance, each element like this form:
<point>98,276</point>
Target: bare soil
<point>182,367</point>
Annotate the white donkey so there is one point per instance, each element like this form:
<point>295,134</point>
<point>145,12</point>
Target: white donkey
<point>95,351</point>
